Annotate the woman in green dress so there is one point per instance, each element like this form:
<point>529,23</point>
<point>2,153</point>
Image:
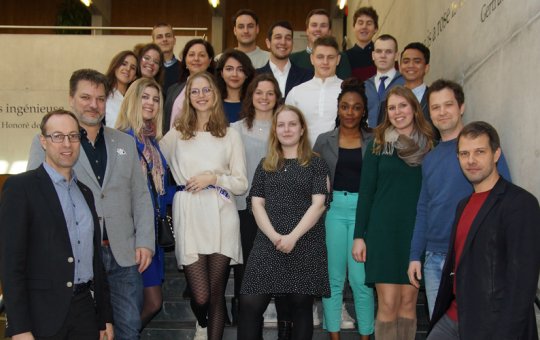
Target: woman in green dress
<point>389,188</point>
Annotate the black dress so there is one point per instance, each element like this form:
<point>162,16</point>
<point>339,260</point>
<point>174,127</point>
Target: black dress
<point>288,195</point>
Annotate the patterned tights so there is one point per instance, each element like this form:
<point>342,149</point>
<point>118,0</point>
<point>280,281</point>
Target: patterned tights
<point>206,280</point>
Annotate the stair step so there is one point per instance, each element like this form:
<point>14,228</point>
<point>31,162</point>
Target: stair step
<point>183,331</point>
<point>176,320</point>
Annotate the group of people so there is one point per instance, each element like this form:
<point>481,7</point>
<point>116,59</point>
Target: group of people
<point>303,170</point>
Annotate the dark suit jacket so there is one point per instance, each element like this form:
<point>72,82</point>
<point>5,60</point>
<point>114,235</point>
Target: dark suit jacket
<point>497,274</point>
<point>172,93</point>
<point>36,259</point>
<point>297,75</point>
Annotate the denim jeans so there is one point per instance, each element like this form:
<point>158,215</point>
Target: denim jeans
<point>433,267</point>
<point>126,288</point>
<point>444,329</point>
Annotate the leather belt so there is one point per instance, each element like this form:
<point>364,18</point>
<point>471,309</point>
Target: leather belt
<point>81,288</point>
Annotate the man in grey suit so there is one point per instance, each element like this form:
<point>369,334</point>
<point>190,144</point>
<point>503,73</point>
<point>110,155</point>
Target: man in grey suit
<point>110,167</point>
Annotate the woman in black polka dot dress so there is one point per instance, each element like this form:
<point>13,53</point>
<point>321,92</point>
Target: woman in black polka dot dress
<point>289,196</point>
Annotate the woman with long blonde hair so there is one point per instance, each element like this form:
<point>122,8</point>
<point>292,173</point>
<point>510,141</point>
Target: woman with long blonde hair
<point>389,190</point>
<point>208,164</point>
<point>140,116</point>
<point>288,197</point>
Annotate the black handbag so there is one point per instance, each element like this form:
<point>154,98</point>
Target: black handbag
<point>165,231</point>
<point>164,224</point>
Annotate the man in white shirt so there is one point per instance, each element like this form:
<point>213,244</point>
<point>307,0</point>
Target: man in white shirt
<point>317,98</point>
<point>163,36</point>
<point>245,29</point>
<point>287,74</point>
<point>384,57</point>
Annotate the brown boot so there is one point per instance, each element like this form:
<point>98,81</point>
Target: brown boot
<point>406,329</point>
<point>386,330</point>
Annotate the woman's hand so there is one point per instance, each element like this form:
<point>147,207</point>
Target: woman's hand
<point>199,182</point>
<point>359,250</point>
<point>286,244</point>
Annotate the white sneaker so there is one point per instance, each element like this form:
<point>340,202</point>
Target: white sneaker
<point>200,333</point>
<point>316,319</point>
<point>347,322</point>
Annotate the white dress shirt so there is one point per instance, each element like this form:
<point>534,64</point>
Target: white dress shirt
<point>317,99</point>
<point>281,76</point>
<point>390,74</point>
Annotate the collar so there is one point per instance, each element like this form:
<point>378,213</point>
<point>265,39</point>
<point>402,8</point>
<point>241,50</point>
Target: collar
<point>419,91</point>
<point>369,47</point>
<point>169,63</point>
<point>309,50</point>
<point>84,134</point>
<point>55,175</point>
<point>276,69</point>
<point>255,51</point>
<point>326,80</point>
<point>390,74</point>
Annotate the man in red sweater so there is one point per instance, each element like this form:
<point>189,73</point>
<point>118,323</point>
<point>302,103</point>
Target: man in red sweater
<point>490,277</point>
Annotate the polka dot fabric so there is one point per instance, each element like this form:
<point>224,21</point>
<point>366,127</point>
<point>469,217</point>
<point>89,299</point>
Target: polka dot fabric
<point>287,195</point>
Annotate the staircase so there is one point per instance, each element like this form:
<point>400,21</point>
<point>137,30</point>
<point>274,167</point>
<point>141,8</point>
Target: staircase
<point>177,322</point>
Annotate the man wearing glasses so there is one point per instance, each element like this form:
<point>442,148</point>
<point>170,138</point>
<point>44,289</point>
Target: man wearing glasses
<point>109,165</point>
<point>51,269</point>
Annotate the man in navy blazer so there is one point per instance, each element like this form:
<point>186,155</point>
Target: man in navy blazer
<point>280,41</point>
<point>50,245</point>
<point>490,277</point>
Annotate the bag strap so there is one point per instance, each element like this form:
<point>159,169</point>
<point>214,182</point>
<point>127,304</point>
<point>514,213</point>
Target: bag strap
<point>151,180</point>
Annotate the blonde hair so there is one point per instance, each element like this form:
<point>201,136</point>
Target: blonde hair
<point>187,122</point>
<point>130,115</point>
<point>274,159</point>
<point>420,124</point>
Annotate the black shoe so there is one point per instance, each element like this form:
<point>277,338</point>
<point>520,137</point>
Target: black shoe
<point>234,311</point>
<point>284,330</point>
<point>226,312</point>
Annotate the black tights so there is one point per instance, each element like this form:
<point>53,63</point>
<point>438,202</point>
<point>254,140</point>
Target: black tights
<point>205,278</point>
<point>153,301</point>
<point>252,307</point>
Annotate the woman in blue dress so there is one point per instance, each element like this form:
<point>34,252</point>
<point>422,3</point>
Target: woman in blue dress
<point>141,117</point>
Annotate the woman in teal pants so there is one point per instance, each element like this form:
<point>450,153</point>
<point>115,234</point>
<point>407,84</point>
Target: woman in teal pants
<point>342,149</point>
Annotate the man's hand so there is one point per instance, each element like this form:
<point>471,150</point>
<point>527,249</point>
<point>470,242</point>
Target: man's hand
<point>107,333</point>
<point>23,336</point>
<point>415,273</point>
<point>143,257</point>
<point>359,250</point>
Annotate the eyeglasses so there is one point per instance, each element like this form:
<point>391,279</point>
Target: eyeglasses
<point>197,92</point>
<point>60,138</point>
<point>149,59</point>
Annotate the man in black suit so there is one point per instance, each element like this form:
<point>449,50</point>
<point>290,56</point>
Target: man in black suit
<point>280,42</point>
<point>50,245</point>
<point>491,272</point>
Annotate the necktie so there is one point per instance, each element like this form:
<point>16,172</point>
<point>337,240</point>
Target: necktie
<point>382,88</point>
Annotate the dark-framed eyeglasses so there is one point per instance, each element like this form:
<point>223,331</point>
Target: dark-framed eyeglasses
<point>60,137</point>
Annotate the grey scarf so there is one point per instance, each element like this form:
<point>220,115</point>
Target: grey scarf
<point>411,149</point>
